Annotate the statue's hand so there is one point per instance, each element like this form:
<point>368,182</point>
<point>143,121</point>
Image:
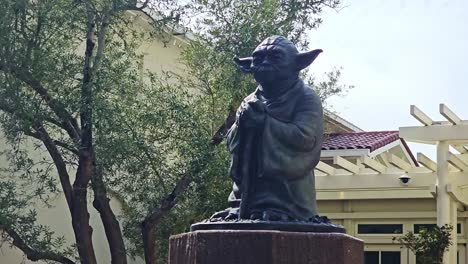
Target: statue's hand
<point>253,114</point>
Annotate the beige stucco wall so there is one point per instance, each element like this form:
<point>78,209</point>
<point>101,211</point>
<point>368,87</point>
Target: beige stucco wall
<point>160,55</point>
<point>407,212</point>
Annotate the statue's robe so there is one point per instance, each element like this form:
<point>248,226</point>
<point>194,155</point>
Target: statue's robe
<point>283,155</point>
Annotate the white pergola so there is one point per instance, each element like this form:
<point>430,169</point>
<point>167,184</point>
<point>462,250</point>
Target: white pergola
<point>451,168</point>
<point>364,175</point>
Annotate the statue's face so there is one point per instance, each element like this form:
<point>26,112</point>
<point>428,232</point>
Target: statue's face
<point>274,60</point>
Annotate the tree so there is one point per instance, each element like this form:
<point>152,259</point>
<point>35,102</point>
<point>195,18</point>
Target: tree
<point>72,89</point>
<point>66,99</point>
<point>429,245</point>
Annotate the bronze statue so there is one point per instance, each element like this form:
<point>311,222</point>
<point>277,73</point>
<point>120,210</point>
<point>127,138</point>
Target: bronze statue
<point>276,140</point>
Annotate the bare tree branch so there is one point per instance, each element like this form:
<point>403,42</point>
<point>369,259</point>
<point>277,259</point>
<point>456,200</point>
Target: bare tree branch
<point>15,111</point>
<point>101,41</point>
<point>223,129</point>
<point>85,169</point>
<point>59,143</point>
<point>132,5</point>
<point>150,222</point>
<point>108,218</point>
<point>58,161</point>
<point>170,200</point>
<point>157,18</point>
<point>32,254</point>
<point>68,121</point>
<point>145,4</point>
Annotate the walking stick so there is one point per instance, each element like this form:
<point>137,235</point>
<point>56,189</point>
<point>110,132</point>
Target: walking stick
<point>247,140</point>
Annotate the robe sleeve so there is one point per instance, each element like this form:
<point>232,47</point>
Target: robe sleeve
<point>233,146</point>
<point>291,148</point>
<point>301,133</point>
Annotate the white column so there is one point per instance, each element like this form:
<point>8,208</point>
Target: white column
<point>454,246</point>
<point>444,206</point>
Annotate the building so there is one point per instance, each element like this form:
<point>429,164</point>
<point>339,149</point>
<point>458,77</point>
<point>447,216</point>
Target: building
<point>372,184</point>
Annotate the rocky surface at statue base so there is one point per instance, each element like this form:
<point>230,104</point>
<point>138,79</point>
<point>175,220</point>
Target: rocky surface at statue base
<point>264,247</point>
<point>318,224</point>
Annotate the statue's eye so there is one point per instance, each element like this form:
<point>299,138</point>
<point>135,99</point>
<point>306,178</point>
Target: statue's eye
<point>276,56</point>
<point>258,59</point>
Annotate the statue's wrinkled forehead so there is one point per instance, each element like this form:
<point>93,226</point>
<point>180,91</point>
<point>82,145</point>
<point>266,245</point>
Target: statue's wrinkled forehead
<point>278,41</point>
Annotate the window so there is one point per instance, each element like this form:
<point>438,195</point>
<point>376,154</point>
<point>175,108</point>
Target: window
<point>390,257</point>
<point>380,229</point>
<point>418,227</point>
<point>382,257</point>
<point>371,257</point>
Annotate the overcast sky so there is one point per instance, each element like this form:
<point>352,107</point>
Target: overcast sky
<point>396,53</point>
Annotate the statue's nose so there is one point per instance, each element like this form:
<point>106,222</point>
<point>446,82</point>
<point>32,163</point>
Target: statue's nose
<point>265,62</point>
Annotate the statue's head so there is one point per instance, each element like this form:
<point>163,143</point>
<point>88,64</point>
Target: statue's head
<point>276,59</point>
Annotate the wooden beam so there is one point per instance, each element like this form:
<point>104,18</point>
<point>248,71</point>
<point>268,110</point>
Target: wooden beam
<point>347,165</point>
<point>449,114</point>
<point>375,165</point>
<point>344,153</point>
<point>325,168</point>
<point>420,116</point>
<point>457,162</point>
<point>463,156</point>
<point>385,148</point>
<point>454,135</point>
<point>399,163</point>
<point>456,194</point>
<point>461,149</point>
<point>433,190</point>
<point>319,173</point>
<point>384,159</point>
<point>426,162</point>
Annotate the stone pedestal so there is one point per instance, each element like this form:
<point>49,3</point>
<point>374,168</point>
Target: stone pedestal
<point>264,247</point>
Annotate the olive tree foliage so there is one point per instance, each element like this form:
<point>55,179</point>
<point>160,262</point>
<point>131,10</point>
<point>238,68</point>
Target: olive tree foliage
<point>234,28</point>
<point>80,117</point>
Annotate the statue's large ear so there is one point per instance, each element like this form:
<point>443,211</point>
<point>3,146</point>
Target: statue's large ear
<point>244,64</point>
<point>304,59</point>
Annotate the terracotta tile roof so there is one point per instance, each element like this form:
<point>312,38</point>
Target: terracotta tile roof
<point>359,140</point>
